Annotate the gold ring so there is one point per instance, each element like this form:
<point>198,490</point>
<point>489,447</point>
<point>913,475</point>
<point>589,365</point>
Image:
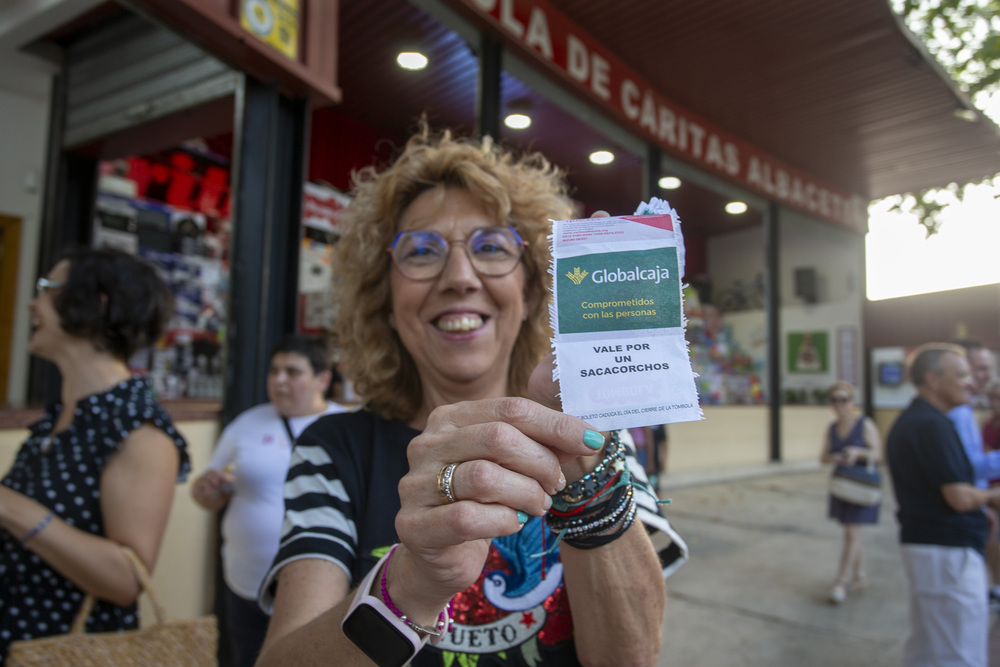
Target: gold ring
<point>444,487</point>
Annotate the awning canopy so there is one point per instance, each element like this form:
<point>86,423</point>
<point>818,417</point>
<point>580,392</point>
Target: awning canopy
<point>839,89</point>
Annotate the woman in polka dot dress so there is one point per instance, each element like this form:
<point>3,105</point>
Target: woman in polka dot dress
<point>99,473</point>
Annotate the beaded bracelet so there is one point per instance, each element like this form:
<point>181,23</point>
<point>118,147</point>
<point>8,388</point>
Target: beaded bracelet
<point>563,511</point>
<point>587,516</point>
<point>588,485</point>
<point>606,527</point>
<point>617,498</point>
<point>38,528</point>
<point>444,618</point>
<point>594,541</point>
<point>578,528</point>
<point>597,518</point>
<point>603,528</point>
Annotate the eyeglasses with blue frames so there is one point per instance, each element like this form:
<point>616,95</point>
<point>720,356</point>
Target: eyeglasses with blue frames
<point>492,251</point>
<point>43,285</point>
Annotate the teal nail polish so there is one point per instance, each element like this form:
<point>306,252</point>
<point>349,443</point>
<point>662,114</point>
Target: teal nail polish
<point>593,439</point>
<point>522,517</point>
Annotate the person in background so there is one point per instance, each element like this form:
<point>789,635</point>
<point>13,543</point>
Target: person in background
<point>647,441</point>
<point>985,463</point>
<point>246,476</point>
<point>420,517</point>
<point>97,472</point>
<point>661,444</point>
<point>852,439</point>
<point>991,427</point>
<point>642,438</point>
<point>942,525</point>
<point>991,443</point>
<point>981,365</point>
<point>336,391</point>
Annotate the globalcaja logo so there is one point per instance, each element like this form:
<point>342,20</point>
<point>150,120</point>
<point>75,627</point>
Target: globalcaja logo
<point>637,289</point>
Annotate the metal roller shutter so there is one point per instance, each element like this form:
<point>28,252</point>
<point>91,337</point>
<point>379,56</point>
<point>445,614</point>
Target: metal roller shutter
<point>131,71</point>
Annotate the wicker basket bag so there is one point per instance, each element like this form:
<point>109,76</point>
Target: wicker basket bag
<point>187,643</point>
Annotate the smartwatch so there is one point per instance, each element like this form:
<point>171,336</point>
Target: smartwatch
<point>376,630</point>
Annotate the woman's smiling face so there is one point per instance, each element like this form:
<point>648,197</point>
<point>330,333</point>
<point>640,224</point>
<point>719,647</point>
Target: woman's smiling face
<point>459,327</point>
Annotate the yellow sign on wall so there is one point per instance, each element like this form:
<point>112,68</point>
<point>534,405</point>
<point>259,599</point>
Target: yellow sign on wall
<point>275,22</point>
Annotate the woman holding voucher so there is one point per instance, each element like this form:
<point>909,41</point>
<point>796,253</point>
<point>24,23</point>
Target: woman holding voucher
<point>452,518</point>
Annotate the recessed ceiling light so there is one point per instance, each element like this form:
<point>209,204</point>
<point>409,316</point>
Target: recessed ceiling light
<point>517,121</point>
<point>966,114</point>
<point>670,182</point>
<point>736,207</point>
<point>602,157</point>
<point>518,113</point>
<point>411,60</point>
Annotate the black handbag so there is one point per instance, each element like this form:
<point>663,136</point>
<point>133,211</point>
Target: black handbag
<point>858,485</point>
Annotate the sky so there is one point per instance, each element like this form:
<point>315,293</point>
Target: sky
<point>964,253</point>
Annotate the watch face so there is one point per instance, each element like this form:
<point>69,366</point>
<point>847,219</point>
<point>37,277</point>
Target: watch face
<point>377,637</point>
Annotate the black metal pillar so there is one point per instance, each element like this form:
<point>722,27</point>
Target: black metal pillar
<point>867,372</point>
<point>67,214</point>
<point>270,143</point>
<point>772,257</point>
<point>651,172</point>
<point>488,84</point>
<point>267,194</point>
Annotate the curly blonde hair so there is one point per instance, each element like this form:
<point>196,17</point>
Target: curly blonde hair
<point>523,191</point>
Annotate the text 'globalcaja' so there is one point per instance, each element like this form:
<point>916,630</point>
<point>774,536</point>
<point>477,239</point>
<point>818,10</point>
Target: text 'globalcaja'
<point>633,275</point>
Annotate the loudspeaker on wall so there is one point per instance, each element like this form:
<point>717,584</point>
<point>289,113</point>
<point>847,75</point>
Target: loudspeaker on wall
<point>805,285</point>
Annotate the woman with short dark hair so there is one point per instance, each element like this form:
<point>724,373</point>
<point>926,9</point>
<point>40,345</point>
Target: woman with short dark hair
<point>97,472</point>
<point>117,302</point>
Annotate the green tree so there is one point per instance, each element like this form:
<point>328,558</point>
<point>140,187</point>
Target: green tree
<point>964,35</point>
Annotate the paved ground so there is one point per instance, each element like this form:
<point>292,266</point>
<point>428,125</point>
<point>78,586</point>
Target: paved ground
<point>763,557</point>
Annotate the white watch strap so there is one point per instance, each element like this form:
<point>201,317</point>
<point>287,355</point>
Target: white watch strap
<point>364,596</point>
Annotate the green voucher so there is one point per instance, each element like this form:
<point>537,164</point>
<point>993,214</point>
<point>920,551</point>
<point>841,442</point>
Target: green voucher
<point>636,289</point>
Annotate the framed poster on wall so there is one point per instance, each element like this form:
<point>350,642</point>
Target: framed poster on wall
<point>808,352</point>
